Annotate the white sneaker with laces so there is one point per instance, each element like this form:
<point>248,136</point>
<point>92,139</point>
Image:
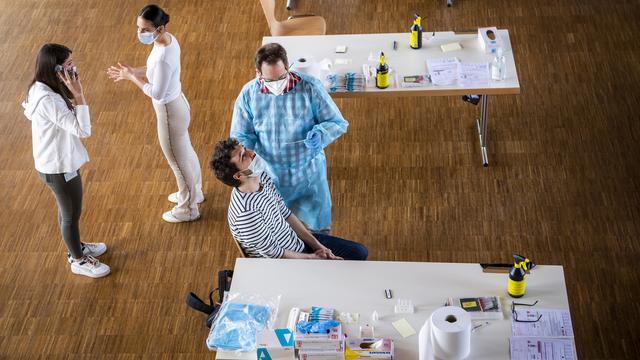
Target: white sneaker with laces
<point>170,217</point>
<point>93,249</point>
<point>89,266</point>
<point>174,198</point>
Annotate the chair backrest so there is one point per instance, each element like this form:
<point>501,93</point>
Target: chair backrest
<point>308,24</point>
<point>269,8</point>
<point>244,255</point>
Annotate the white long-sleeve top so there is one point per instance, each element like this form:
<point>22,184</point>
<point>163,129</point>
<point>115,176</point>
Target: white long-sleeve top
<point>163,72</point>
<point>56,131</point>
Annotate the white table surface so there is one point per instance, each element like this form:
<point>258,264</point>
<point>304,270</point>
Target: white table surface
<point>352,286</point>
<point>404,60</point>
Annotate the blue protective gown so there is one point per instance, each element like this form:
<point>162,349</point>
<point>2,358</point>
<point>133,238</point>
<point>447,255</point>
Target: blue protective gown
<point>275,127</point>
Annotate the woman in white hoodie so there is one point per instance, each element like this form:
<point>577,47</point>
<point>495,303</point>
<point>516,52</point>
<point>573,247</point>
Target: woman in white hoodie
<point>59,117</point>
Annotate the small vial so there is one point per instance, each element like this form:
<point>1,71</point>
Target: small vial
<point>375,316</point>
<point>366,331</point>
<point>498,66</point>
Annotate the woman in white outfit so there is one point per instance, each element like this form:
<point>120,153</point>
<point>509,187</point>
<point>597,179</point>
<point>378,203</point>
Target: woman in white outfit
<point>59,116</point>
<point>160,80</point>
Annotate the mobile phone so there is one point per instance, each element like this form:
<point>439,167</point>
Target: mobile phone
<point>73,74</point>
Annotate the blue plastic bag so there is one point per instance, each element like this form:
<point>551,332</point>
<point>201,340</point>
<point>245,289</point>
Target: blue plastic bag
<point>236,326</point>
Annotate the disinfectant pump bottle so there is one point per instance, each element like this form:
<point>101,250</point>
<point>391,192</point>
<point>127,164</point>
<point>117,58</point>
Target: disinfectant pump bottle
<point>416,33</point>
<point>516,282</point>
<point>382,74</point>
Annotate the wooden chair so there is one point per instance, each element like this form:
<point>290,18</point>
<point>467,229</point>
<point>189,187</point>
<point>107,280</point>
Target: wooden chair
<point>242,253</point>
<point>307,24</point>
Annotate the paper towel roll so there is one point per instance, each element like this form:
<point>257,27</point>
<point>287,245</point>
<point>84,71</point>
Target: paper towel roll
<point>306,65</point>
<point>451,332</point>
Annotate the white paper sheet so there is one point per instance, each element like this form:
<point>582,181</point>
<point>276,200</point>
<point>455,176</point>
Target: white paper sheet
<point>443,71</point>
<point>526,348</point>
<point>553,323</point>
<point>473,75</point>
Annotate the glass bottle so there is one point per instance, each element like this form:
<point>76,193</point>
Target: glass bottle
<point>499,66</point>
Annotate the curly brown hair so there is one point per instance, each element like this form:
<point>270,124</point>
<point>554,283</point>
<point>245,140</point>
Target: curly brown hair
<point>221,164</point>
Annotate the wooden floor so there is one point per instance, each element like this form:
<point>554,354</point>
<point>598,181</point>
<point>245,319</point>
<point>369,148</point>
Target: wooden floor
<point>406,180</point>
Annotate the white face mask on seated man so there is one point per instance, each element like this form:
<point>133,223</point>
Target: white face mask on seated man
<point>258,166</point>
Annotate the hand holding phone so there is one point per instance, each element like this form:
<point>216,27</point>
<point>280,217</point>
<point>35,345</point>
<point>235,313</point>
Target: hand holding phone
<point>71,80</point>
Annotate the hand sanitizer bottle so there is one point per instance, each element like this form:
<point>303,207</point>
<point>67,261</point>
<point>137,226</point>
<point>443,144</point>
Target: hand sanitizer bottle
<point>498,66</point>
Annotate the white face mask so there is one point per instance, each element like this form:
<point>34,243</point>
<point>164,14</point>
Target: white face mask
<point>257,166</point>
<point>277,87</point>
<point>147,38</point>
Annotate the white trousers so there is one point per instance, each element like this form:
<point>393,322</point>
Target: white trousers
<point>173,126</point>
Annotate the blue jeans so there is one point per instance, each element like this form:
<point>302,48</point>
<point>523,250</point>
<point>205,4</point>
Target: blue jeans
<point>348,250</point>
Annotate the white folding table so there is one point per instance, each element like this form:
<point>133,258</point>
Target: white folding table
<point>406,61</point>
<point>358,287</point>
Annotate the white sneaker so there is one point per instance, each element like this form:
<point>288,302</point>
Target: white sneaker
<point>93,249</point>
<point>174,198</point>
<point>89,266</point>
<point>170,217</point>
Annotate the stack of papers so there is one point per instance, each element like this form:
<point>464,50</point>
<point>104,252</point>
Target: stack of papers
<point>550,338</point>
<point>452,72</point>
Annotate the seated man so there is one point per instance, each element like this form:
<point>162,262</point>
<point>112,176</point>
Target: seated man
<point>258,218</point>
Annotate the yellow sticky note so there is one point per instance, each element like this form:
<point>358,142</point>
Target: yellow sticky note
<point>403,327</point>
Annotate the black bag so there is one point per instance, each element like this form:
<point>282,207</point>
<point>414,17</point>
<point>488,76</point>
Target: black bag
<point>211,309</point>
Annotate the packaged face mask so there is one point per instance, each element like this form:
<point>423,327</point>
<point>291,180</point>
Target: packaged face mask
<point>236,326</point>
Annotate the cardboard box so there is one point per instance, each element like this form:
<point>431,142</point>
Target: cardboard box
<point>276,344</point>
<point>331,340</point>
<point>321,355</point>
<point>489,39</point>
<point>369,348</point>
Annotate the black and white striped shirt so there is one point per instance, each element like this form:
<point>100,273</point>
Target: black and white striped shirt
<point>258,222</point>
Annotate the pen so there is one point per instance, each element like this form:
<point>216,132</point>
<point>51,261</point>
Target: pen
<point>479,326</point>
<point>395,45</point>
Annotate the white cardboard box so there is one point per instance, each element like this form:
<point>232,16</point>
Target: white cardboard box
<point>489,39</point>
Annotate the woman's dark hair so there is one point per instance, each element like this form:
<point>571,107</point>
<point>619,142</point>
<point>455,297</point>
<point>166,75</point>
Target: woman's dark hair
<point>155,14</point>
<point>221,164</point>
<point>49,56</point>
<point>271,54</point>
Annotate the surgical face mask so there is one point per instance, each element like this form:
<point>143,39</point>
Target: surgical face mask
<point>277,87</point>
<point>257,166</point>
<point>147,38</point>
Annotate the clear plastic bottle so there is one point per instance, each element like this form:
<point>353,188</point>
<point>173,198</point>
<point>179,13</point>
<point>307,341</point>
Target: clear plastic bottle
<point>499,66</point>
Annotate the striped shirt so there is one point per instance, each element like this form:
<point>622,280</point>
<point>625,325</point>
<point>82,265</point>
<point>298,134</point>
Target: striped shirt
<point>258,222</point>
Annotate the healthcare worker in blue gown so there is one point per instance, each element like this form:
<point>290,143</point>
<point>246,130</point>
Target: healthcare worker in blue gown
<point>288,119</point>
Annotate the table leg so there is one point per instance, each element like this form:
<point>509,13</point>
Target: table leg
<point>482,128</point>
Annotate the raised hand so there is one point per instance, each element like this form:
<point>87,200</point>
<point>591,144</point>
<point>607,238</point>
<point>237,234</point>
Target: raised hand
<point>120,72</point>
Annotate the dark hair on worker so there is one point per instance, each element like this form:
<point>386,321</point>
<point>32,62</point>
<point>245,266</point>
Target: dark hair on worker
<point>221,164</point>
<point>155,14</point>
<point>49,56</point>
<point>271,54</point>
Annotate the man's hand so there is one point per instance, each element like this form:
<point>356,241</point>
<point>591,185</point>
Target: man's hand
<point>325,253</point>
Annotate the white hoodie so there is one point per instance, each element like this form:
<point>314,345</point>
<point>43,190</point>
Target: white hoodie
<point>56,131</point>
